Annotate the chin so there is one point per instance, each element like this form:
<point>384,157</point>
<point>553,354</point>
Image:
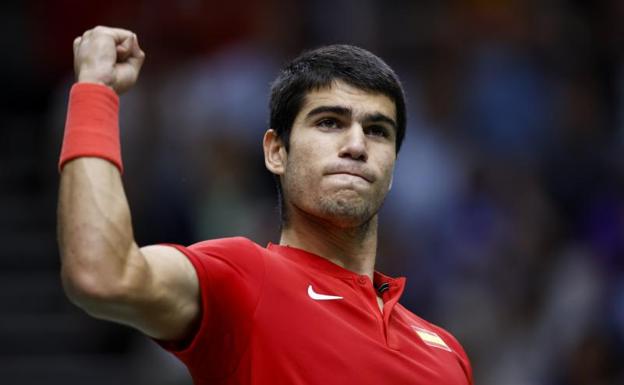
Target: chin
<point>346,211</point>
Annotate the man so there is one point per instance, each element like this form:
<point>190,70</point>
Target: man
<point>310,310</point>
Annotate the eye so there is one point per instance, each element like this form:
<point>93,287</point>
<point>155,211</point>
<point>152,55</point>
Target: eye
<point>377,130</point>
<point>328,123</point>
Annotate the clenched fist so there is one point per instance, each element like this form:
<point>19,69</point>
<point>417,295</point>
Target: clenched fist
<point>109,56</point>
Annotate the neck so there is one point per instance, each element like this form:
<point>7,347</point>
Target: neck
<point>353,248</point>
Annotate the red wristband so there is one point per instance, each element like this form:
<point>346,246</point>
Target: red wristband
<point>92,126</point>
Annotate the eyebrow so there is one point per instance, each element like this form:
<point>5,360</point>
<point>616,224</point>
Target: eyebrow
<point>338,110</point>
<point>380,118</point>
<point>376,117</point>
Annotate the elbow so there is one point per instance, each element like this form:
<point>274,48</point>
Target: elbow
<point>90,292</point>
<point>95,278</point>
<point>100,283</point>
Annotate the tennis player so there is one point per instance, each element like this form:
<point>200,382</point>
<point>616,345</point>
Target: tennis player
<point>308,310</point>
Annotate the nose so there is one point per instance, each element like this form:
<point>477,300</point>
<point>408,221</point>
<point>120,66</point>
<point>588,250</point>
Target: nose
<point>354,144</point>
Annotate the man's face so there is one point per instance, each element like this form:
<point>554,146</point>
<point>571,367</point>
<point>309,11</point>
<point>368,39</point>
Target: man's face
<point>341,156</point>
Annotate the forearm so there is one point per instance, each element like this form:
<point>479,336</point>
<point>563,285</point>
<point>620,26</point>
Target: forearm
<point>153,289</point>
<point>94,228</point>
<point>95,233</point>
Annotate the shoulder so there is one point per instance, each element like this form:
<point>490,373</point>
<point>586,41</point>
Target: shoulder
<point>438,335</point>
<point>225,256</point>
<point>225,245</point>
<point>234,247</point>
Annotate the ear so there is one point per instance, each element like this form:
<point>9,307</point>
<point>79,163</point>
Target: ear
<point>275,155</point>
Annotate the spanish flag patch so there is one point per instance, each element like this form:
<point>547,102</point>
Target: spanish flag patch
<point>430,338</point>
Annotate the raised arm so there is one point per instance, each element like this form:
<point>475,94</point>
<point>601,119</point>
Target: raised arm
<point>154,288</point>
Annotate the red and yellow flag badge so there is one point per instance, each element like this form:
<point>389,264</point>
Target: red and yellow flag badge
<point>430,338</point>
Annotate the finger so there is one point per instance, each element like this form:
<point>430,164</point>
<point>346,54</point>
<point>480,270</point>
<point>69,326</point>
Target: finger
<point>118,34</point>
<point>124,50</point>
<point>136,62</point>
<point>77,44</point>
<point>137,52</point>
<point>126,74</point>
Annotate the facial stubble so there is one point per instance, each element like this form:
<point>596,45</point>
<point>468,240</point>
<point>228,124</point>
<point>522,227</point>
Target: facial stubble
<point>343,207</point>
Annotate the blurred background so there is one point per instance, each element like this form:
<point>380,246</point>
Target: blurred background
<point>507,211</point>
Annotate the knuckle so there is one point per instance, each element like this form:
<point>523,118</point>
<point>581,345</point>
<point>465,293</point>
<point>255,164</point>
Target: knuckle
<point>101,30</point>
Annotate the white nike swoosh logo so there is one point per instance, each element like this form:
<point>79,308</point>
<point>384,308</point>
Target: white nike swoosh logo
<point>320,297</point>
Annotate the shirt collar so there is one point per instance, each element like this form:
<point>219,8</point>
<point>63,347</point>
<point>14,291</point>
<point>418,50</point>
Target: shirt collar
<point>318,262</point>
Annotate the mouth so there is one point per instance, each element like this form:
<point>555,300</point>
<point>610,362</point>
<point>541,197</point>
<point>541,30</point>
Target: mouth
<point>353,170</point>
<point>351,174</point>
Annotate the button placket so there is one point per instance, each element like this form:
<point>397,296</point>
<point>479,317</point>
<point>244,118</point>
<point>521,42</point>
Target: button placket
<point>368,295</point>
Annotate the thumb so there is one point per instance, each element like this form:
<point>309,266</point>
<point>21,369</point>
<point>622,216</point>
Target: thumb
<point>137,52</point>
<point>124,50</point>
<point>137,55</point>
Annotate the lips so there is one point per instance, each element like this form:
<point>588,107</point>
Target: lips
<point>348,173</point>
<point>348,170</point>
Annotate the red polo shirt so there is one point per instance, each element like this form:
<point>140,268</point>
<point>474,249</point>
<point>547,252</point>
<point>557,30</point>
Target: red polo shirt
<point>280,315</point>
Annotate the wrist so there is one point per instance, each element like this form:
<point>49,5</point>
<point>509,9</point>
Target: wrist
<point>92,125</point>
<point>94,77</point>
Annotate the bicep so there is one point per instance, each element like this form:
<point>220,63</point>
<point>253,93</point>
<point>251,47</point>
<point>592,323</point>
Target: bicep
<point>163,298</point>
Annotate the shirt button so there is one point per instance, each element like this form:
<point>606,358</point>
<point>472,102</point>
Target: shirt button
<point>362,280</point>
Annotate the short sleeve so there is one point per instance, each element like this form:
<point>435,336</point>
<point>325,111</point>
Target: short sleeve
<point>231,273</point>
<point>457,348</point>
